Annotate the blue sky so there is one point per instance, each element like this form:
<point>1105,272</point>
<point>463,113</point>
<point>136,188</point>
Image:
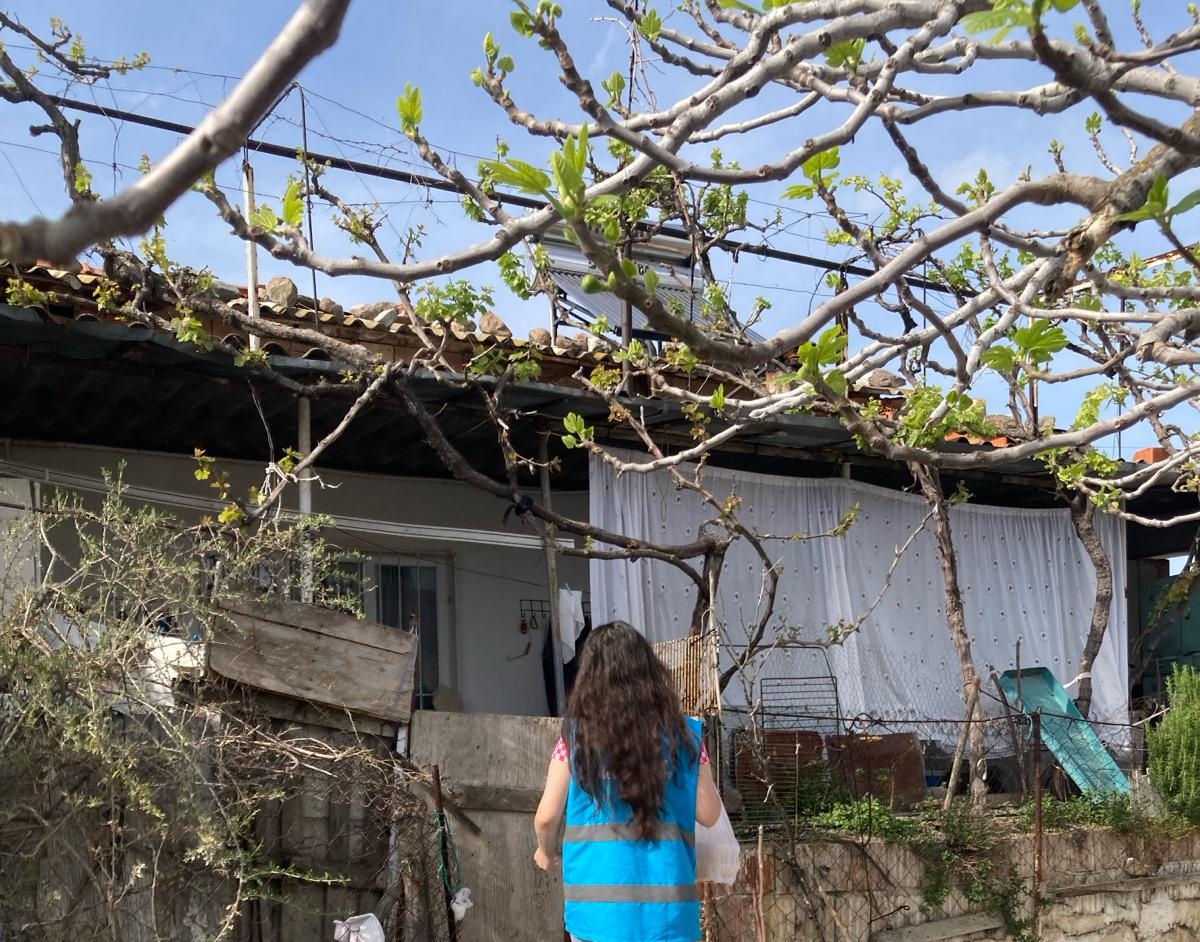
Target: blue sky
<point>198,49</point>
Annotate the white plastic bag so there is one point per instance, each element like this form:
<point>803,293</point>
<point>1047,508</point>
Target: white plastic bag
<point>718,854</point>
<point>364,928</point>
<point>461,903</point>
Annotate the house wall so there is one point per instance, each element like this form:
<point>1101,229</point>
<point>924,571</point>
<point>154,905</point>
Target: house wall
<point>483,656</point>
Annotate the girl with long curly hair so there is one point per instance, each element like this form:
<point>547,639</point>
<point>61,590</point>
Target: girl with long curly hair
<point>631,776</point>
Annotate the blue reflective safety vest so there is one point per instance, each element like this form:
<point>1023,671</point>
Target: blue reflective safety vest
<point>619,888</point>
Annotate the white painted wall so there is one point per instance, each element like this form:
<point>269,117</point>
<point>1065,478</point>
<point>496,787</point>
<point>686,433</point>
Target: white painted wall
<point>488,581</point>
<point>18,563</point>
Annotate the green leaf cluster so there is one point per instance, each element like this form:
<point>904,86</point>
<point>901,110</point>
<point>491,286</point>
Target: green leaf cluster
<point>190,330</point>
<point>980,190</point>
<point>605,377</point>
<point>846,54</point>
<point>650,25</point>
<point>963,414</point>
<point>820,170</point>
<point>680,358</point>
<point>615,86</point>
<point>526,22</point>
<point>252,358</point>
<point>1157,206</point>
<point>408,105</point>
<point>814,357</point>
<point>578,432</point>
<point>20,293</point>
<point>568,167</point>
<point>291,211</point>
<point>513,274</point>
<point>1007,15</point>
<point>866,817</point>
<point>1033,345</point>
<point>525,363</point>
<point>456,301</point>
<point>83,179</point>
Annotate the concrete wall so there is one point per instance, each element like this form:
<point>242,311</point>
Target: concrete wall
<point>1098,887</point>
<point>487,585</point>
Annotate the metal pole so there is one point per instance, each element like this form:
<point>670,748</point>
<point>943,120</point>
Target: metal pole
<point>1018,752</point>
<point>443,852</point>
<point>552,576</point>
<point>304,446</point>
<point>308,200</point>
<point>1037,800</point>
<point>251,249</point>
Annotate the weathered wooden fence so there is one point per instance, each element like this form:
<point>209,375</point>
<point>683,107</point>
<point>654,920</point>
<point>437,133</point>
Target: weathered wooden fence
<point>494,768</point>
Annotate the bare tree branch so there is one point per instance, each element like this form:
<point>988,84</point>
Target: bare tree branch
<point>312,30</point>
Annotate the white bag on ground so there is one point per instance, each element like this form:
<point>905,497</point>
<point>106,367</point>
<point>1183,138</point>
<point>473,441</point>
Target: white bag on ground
<point>364,928</point>
<point>718,854</point>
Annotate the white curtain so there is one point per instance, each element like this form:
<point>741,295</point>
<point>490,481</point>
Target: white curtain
<point>1023,573</point>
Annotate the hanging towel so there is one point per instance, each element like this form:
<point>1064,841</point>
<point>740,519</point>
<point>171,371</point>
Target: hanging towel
<point>570,620</point>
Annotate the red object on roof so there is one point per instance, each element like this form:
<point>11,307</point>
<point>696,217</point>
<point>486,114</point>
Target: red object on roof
<point>999,441</point>
<point>1150,456</point>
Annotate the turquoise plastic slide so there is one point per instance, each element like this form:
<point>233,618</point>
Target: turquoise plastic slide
<point>1068,736</point>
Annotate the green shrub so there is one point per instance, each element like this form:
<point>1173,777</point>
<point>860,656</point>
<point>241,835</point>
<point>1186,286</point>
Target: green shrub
<point>957,849</point>
<point>814,792</point>
<point>1114,812</point>
<point>1175,746</point>
<point>865,817</point>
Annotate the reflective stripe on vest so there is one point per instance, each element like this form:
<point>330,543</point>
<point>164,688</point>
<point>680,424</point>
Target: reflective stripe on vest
<point>619,887</point>
<point>631,893</point>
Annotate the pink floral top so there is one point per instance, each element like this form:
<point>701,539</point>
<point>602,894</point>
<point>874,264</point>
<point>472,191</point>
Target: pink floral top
<point>560,753</point>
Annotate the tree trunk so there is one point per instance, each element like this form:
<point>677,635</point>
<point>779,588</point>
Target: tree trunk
<point>704,611</point>
<point>1083,515</point>
<point>956,618</point>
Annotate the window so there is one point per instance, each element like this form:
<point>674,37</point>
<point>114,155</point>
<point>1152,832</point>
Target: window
<point>409,595</point>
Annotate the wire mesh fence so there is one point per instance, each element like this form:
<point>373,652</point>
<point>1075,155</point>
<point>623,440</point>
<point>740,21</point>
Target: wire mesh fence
<point>852,824</point>
<point>777,766</point>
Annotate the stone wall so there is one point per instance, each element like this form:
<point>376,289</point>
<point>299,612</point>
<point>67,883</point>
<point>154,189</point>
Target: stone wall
<point>1097,887</point>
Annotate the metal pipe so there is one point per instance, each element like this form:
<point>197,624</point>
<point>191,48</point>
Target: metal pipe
<point>551,548</point>
<point>1037,801</point>
<point>251,250</point>
<point>443,852</point>
<point>304,446</point>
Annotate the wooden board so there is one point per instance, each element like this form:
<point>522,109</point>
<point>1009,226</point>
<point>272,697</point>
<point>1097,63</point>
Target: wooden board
<point>494,763</point>
<point>485,749</point>
<point>890,767</point>
<point>315,654</point>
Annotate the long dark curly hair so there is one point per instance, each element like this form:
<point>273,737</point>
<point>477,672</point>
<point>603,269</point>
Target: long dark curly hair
<point>624,720</point>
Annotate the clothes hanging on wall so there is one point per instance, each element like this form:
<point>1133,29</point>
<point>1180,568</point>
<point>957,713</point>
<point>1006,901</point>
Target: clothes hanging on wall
<point>570,668</point>
<point>571,620</point>
<point>1023,574</point>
